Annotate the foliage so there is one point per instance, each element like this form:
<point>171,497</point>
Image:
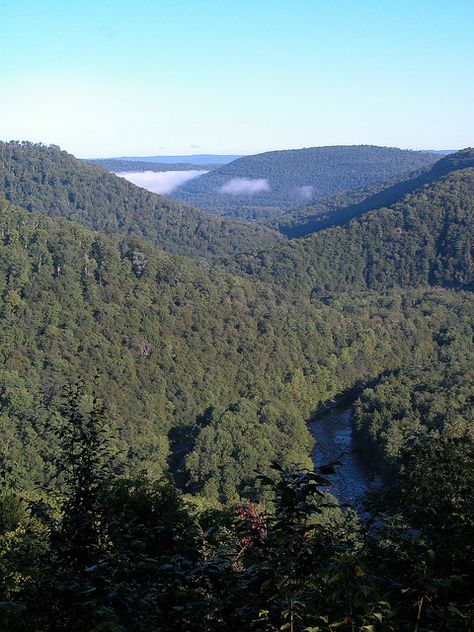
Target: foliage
<point>47,180</point>
<point>170,338</point>
<point>343,207</point>
<point>204,372</point>
<point>420,403</point>
<point>84,462</point>
<point>425,239</point>
<point>296,175</point>
<point>294,565</point>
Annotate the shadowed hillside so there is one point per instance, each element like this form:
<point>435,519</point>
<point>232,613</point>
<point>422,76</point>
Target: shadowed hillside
<point>53,182</point>
<point>340,209</point>
<point>267,184</point>
<point>195,365</point>
<point>424,239</point>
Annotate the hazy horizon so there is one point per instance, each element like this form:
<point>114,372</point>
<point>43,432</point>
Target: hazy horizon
<point>179,78</point>
<point>195,155</point>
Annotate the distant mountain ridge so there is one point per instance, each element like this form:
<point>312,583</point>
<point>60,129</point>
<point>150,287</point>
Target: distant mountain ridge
<point>115,165</point>
<point>441,152</point>
<point>53,182</point>
<point>340,209</point>
<point>265,185</point>
<point>425,238</point>
<point>193,159</point>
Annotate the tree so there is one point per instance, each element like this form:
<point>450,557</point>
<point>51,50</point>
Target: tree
<point>86,464</point>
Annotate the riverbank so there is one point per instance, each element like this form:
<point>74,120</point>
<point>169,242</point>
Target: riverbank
<point>331,427</point>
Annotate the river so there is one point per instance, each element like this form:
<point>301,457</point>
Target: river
<point>332,431</point>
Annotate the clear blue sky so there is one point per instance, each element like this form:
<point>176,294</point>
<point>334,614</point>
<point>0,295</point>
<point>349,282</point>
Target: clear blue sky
<point>143,77</point>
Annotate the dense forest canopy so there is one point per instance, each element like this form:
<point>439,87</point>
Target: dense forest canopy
<point>196,366</point>
<point>155,468</point>
<point>288,178</point>
<point>424,239</point>
<point>221,347</point>
<point>45,179</point>
<point>341,208</point>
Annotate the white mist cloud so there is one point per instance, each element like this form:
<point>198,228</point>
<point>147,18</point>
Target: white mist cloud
<point>162,182</point>
<point>245,186</point>
<point>306,192</point>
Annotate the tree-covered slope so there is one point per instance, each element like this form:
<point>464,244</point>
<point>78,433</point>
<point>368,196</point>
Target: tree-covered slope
<point>50,181</point>
<point>425,239</point>
<point>267,184</point>
<point>420,404</point>
<point>201,367</point>
<point>167,339</point>
<point>206,373</point>
<point>341,208</point>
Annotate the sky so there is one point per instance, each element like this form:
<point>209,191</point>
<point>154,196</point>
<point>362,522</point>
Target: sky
<point>148,77</point>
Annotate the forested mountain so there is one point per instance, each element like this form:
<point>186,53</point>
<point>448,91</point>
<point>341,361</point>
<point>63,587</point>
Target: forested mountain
<point>267,184</point>
<point>168,339</point>
<point>341,208</point>
<point>197,367</point>
<point>189,354</point>
<point>131,376</point>
<point>50,181</point>
<point>425,239</point>
<point>117,165</point>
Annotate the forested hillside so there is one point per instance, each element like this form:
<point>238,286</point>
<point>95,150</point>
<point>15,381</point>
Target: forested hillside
<point>196,366</point>
<point>50,181</point>
<point>285,179</point>
<point>341,208</point>
<point>425,239</point>
<point>422,403</point>
<point>152,410</point>
<point>167,339</point>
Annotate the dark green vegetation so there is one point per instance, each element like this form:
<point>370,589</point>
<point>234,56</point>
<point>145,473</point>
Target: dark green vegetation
<point>175,346</point>
<point>423,402</point>
<point>345,206</point>
<point>425,239</point>
<point>200,371</point>
<point>116,165</point>
<point>51,181</point>
<point>130,554</point>
<point>296,175</point>
<point>197,367</point>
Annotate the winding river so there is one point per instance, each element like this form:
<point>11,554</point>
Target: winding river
<point>332,431</point>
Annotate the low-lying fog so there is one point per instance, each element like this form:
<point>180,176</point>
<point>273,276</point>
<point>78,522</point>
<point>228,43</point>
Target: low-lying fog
<point>162,182</point>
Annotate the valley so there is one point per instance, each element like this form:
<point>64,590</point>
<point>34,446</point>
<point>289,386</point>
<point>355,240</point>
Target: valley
<point>194,348</point>
<point>291,178</point>
<point>236,316</point>
<point>162,182</point>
